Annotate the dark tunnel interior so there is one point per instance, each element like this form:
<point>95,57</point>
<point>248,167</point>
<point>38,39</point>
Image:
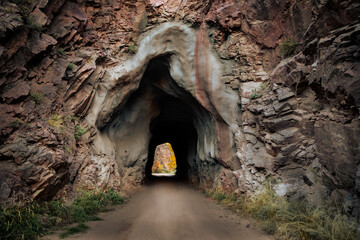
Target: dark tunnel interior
<point>175,122</point>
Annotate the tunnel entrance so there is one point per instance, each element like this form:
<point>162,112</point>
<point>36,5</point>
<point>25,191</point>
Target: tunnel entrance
<point>161,111</point>
<point>171,90</point>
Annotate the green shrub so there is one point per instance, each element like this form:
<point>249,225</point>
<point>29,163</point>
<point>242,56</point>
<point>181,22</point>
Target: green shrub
<point>79,131</point>
<point>113,198</point>
<point>71,66</point>
<point>90,203</point>
<point>60,51</point>
<point>132,48</point>
<point>287,47</point>
<point>37,97</point>
<point>33,24</point>
<point>317,106</point>
<point>58,209</point>
<point>255,95</point>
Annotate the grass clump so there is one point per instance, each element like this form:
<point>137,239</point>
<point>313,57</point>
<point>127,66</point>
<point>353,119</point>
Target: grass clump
<point>291,220</point>
<point>32,220</point>
<point>18,222</point>
<point>37,97</point>
<point>86,206</point>
<point>264,85</point>
<point>221,197</point>
<point>61,51</point>
<point>80,228</point>
<point>317,106</point>
<point>56,121</point>
<point>18,123</point>
<point>69,149</point>
<point>71,66</point>
<point>254,95</point>
<point>287,47</point>
<point>33,24</point>
<point>132,48</point>
<point>79,131</point>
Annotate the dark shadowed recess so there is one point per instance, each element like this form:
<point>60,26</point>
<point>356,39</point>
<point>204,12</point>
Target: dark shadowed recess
<point>176,121</point>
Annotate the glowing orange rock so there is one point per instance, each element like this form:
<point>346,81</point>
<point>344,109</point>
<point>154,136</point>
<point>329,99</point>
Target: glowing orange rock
<point>164,159</point>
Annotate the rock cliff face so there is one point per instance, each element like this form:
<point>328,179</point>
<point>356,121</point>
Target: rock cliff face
<point>90,88</point>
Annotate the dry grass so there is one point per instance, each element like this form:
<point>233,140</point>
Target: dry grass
<point>56,121</point>
<point>291,220</point>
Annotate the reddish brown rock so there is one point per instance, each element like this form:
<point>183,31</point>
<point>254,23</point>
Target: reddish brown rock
<point>10,18</point>
<point>39,42</point>
<point>21,89</point>
<point>38,17</point>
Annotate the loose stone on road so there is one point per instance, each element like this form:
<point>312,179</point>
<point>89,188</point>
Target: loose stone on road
<point>168,210</point>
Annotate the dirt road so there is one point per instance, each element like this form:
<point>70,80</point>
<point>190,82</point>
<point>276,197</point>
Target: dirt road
<point>168,210</point>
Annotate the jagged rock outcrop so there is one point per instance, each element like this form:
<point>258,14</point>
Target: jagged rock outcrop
<point>89,88</point>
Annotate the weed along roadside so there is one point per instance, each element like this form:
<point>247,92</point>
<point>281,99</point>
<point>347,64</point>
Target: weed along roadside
<point>34,220</point>
<point>290,220</point>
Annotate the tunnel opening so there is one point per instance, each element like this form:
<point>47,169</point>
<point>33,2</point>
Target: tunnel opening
<point>161,111</point>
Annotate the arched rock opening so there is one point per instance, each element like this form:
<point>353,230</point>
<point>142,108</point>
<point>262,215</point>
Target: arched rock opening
<point>169,91</point>
<point>159,111</point>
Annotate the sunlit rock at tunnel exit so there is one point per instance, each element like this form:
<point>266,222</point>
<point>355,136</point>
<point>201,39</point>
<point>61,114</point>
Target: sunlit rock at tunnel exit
<point>164,161</point>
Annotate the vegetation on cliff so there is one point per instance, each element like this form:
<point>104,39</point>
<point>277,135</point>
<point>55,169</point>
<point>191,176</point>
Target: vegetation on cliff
<point>287,47</point>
